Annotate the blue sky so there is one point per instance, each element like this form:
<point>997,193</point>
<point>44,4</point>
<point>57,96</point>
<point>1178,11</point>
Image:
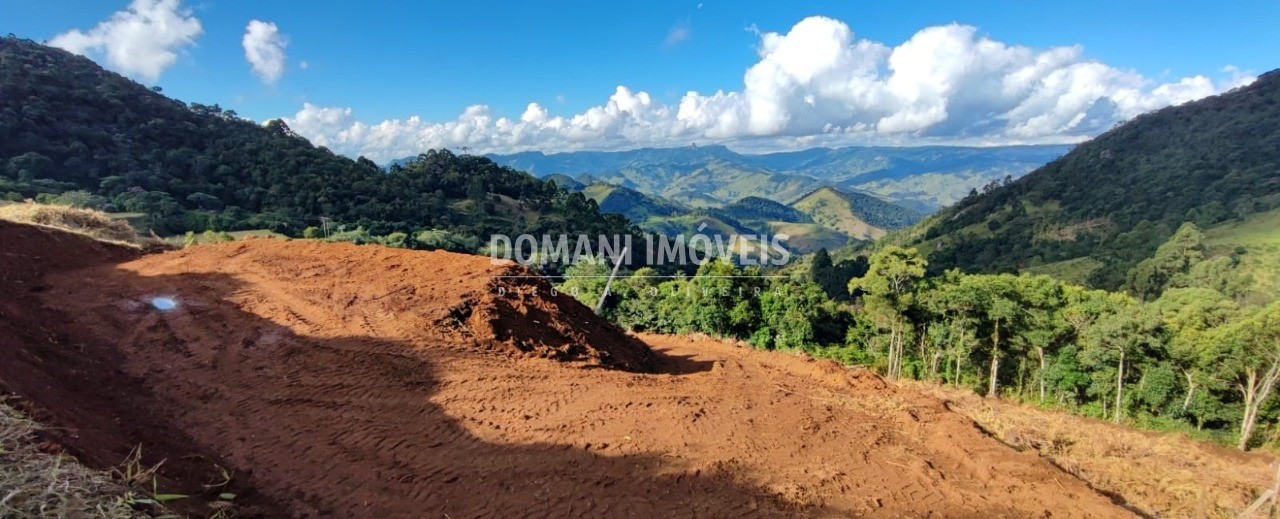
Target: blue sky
<point>356,65</point>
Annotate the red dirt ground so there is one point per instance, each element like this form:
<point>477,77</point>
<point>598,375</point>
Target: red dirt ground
<point>344,381</point>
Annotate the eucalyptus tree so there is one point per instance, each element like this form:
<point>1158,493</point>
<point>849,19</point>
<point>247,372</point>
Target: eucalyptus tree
<point>949,301</point>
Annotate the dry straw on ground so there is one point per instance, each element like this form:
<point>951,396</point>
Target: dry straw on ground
<point>37,484</point>
<point>1157,474</point>
<point>95,224</point>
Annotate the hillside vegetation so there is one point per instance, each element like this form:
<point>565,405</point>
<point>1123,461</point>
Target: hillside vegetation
<point>757,209</point>
<point>751,215</point>
<point>71,130</point>
<point>1249,252</point>
<point>634,205</point>
<point>1117,197</point>
<point>1185,339</point>
<point>828,208</point>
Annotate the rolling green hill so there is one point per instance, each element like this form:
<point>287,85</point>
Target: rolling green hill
<point>565,182</point>
<point>1117,197</point>
<point>756,209</point>
<point>748,216</point>
<point>830,209</point>
<point>1253,247</point>
<point>636,206</point>
<point>857,215</point>
<point>695,222</point>
<point>807,238</point>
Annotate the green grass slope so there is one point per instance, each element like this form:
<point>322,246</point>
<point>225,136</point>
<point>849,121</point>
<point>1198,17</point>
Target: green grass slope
<point>831,209</point>
<point>806,238</point>
<point>1258,237</point>
<point>757,209</point>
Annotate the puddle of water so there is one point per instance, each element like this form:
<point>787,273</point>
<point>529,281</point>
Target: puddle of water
<point>164,303</point>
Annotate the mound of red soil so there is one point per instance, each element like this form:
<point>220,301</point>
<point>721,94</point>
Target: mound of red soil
<point>521,313</point>
<point>343,381</point>
<point>421,296</point>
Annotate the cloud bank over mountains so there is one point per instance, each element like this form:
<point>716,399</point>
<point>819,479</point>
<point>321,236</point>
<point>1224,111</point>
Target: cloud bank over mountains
<point>817,84</point>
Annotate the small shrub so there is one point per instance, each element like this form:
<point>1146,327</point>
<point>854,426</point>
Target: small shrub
<point>396,239</point>
<point>212,236</point>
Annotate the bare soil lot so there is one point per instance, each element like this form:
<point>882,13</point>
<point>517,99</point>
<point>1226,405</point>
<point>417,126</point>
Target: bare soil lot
<point>333,380</point>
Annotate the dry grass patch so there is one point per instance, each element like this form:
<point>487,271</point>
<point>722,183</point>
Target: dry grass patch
<point>95,224</point>
<point>38,484</point>
<point>1158,474</point>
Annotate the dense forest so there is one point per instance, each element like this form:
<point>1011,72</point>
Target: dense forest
<point>75,133</point>
<point>757,209</point>
<point>1119,196</point>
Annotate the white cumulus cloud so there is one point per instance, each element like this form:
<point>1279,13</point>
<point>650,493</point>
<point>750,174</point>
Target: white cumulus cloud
<point>141,41</point>
<point>264,49</point>
<point>817,84</point>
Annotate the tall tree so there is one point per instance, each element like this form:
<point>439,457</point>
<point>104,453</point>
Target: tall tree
<point>1044,327</point>
<point>1170,264</point>
<point>1253,359</point>
<point>1122,334</point>
<point>1189,315</point>
<point>951,302</point>
<point>999,310</point>
<point>889,289</point>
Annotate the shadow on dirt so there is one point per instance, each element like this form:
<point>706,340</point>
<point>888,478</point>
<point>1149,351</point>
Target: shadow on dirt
<point>308,426</point>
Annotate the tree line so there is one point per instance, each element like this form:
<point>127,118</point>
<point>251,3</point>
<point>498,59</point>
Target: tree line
<point>1174,352</point>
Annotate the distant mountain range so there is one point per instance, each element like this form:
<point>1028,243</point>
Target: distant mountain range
<point>824,218</point>
<point>822,197</point>
<point>854,192</point>
<point>921,178</point>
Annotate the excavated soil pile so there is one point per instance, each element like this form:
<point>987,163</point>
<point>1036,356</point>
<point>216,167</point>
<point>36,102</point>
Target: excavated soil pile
<point>342,381</point>
<point>419,296</point>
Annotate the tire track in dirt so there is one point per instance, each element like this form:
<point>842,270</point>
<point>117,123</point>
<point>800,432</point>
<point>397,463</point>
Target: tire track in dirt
<point>327,376</point>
